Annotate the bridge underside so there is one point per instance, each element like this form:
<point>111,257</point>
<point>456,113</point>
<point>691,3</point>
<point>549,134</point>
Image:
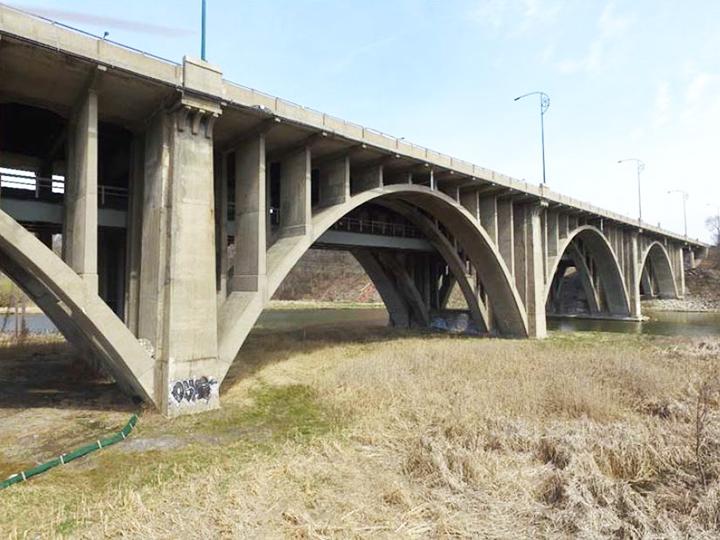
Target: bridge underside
<point>177,203</point>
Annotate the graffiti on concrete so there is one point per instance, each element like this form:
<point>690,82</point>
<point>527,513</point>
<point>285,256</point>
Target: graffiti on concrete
<point>193,390</point>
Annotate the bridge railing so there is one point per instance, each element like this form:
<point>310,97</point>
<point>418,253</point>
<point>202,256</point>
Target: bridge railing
<point>371,226</point>
<point>25,186</point>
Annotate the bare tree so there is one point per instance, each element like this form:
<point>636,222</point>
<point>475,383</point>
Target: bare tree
<point>713,225</point>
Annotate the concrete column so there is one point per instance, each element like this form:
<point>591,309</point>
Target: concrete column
<point>519,248</point>
<point>680,273</point>
<point>562,226</point>
<point>535,274</point>
<point>133,242</point>
<point>335,182</point>
<point>220,170</point>
<point>250,216</point>
<point>505,233</point>
<point>367,178</point>
<point>552,234</point>
<point>488,216</point>
<point>80,223</point>
<point>633,281</point>
<point>178,298</point>
<point>471,202</point>
<point>295,188</point>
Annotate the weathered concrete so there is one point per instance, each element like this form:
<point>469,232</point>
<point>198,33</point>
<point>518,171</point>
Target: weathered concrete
<point>177,286</point>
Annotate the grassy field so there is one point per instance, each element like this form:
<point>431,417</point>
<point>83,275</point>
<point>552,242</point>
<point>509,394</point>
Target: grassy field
<point>376,433</point>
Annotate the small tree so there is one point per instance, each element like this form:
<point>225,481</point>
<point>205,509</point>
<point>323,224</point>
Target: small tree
<point>713,225</point>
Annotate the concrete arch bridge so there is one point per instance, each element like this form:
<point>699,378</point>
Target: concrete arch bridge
<point>150,170</point>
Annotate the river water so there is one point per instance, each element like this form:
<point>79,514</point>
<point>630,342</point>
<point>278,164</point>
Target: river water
<point>662,323</point>
<point>666,323</point>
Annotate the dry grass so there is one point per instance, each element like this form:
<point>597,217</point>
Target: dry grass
<point>346,434</point>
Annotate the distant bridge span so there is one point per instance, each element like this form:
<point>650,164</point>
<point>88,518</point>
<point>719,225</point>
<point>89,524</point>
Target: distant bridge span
<point>184,200</point>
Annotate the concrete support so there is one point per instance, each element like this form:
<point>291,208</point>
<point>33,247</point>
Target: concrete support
<point>398,311</point>
<point>405,284</point>
<point>295,194</point>
<point>535,274</point>
<point>178,302</point>
<point>250,266</point>
<point>553,236</point>
<point>334,187</point>
<point>488,217</point>
<point>80,222</point>
<point>220,170</point>
<point>680,272</point>
<point>519,249</point>
<point>563,226</point>
<point>133,242</point>
<point>633,275</point>
<point>505,233</point>
<point>367,178</point>
<point>471,202</point>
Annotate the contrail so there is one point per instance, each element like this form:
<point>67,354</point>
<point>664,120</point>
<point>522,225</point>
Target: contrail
<point>106,22</point>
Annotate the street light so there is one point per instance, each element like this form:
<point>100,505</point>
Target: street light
<point>684,200</point>
<point>544,105</point>
<point>202,31</point>
<point>640,168</point>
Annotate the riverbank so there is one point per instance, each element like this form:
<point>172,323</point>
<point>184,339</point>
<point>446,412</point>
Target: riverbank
<point>702,288</point>
<point>366,431</point>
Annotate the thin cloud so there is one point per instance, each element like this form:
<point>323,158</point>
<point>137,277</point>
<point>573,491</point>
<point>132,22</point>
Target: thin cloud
<point>661,113</point>
<point>107,22</point>
<point>610,28</point>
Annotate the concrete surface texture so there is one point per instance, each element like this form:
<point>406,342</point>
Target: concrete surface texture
<point>186,200</point>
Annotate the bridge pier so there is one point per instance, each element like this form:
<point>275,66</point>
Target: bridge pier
<point>177,294</point>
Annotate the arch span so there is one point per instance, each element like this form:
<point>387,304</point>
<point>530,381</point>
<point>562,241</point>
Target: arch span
<point>656,258</point>
<point>240,310</point>
<point>80,314</point>
<point>608,268</point>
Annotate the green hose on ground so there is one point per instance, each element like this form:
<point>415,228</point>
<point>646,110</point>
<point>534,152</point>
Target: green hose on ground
<point>65,458</point>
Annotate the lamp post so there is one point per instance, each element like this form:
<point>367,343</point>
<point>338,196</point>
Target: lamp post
<point>544,105</point>
<point>640,168</point>
<point>202,31</point>
<point>684,200</point>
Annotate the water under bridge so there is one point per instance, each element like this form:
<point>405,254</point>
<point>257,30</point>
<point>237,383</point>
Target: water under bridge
<point>183,200</point>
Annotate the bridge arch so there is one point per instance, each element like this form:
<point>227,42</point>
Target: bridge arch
<point>240,310</point>
<point>610,289</point>
<point>655,264</point>
<point>79,313</point>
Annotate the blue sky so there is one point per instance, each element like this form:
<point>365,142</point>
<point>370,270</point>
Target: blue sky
<point>626,79</point>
